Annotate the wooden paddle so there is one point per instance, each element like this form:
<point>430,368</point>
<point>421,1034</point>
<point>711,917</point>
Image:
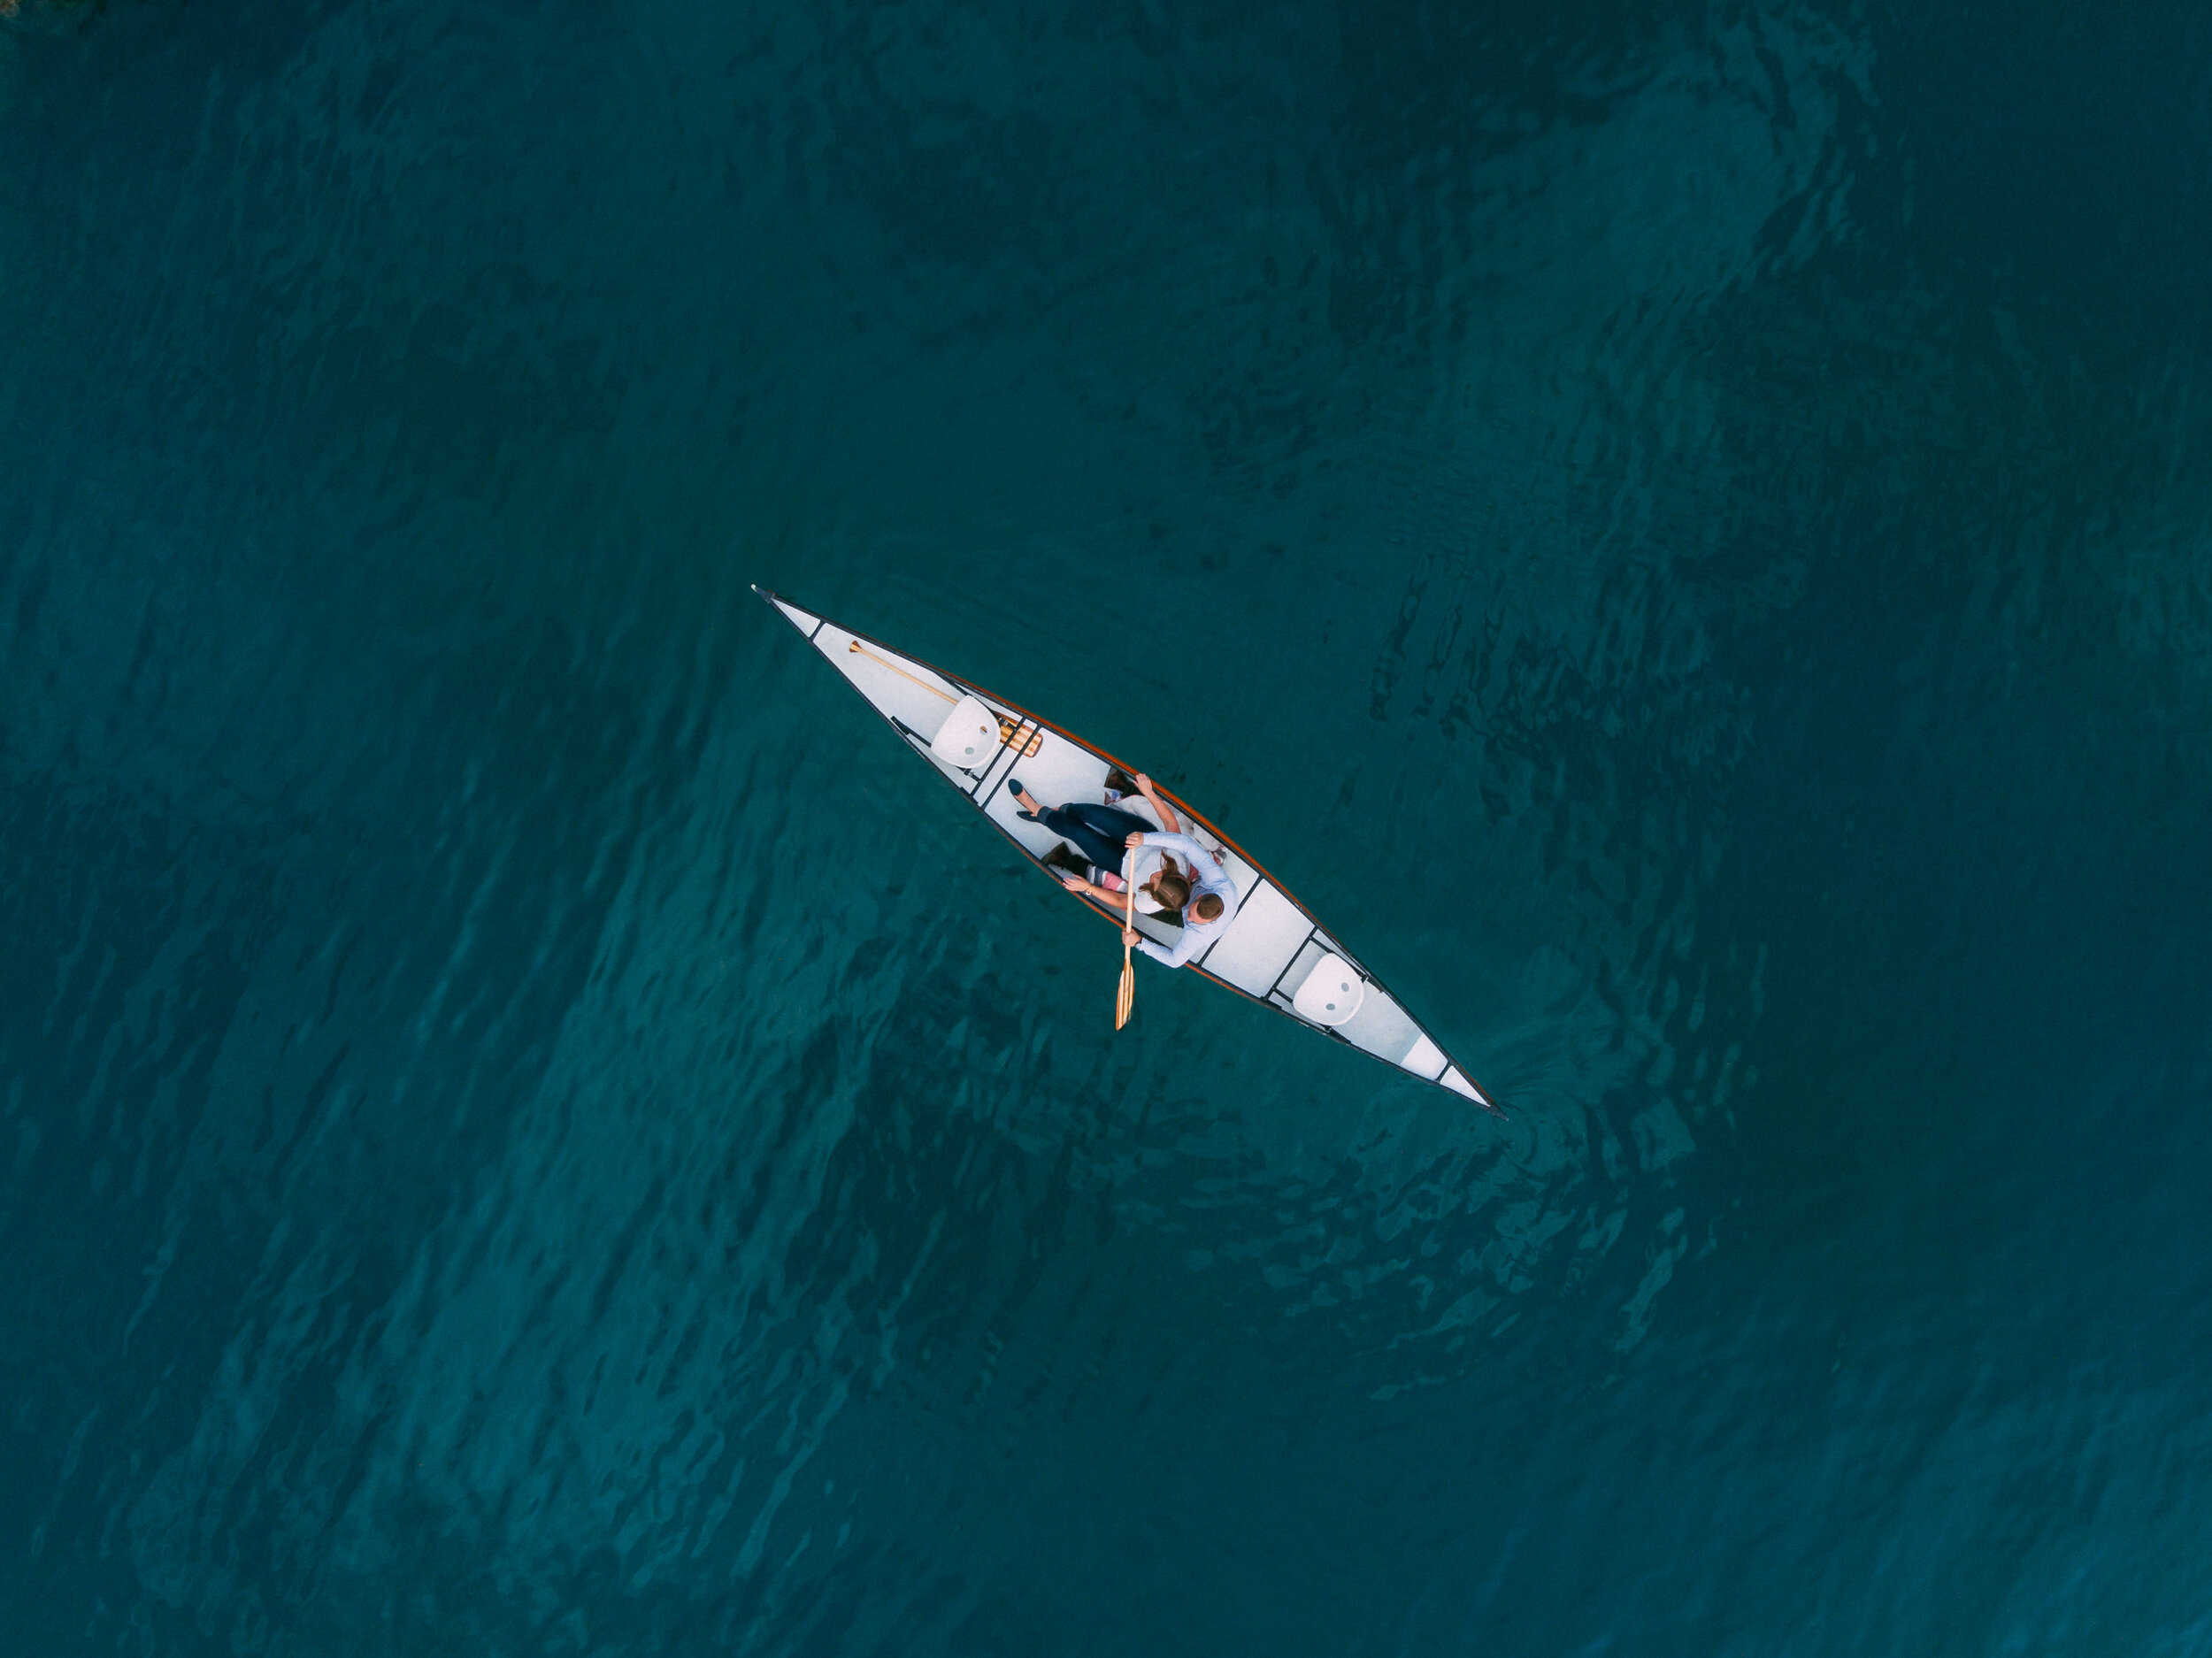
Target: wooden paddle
<point>943,696</point>
<point>1125,998</point>
<point>1007,729</point>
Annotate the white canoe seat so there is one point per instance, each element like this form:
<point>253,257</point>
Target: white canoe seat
<point>968,737</point>
<point>1331,993</point>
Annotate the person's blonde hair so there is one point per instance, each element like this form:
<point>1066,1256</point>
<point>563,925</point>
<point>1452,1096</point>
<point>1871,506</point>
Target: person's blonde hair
<point>1173,890</point>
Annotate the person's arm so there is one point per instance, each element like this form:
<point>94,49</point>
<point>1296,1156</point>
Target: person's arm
<point>1169,821</point>
<point>1194,939</point>
<point>1199,858</point>
<point>1082,888</point>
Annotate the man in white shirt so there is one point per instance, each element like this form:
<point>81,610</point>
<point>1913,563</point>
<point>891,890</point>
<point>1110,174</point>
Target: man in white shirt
<point>1213,901</point>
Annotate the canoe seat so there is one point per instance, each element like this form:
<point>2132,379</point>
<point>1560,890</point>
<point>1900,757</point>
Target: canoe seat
<point>968,737</point>
<point>1332,993</point>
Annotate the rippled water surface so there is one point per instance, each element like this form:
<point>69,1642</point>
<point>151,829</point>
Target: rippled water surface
<point>527,1127</point>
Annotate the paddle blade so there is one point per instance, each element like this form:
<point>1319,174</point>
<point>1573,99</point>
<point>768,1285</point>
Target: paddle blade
<point>1125,998</point>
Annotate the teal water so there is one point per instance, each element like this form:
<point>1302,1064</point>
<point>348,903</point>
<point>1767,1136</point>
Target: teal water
<point>527,1127</point>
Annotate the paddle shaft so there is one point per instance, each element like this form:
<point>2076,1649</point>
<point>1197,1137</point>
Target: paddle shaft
<point>856,649</point>
<point>1125,998</point>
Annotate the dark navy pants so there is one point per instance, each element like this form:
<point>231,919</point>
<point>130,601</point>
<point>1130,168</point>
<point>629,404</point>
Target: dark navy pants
<point>1097,831</point>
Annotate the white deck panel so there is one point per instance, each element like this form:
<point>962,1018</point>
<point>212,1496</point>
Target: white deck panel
<point>1425,1060</point>
<point>1244,877</point>
<point>1059,772</point>
<point>1266,934</point>
<point>1381,1027</point>
<point>921,711</point>
<point>804,620</point>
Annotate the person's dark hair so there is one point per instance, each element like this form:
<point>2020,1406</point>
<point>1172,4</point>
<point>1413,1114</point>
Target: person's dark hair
<point>1208,907</point>
<point>1174,891</point>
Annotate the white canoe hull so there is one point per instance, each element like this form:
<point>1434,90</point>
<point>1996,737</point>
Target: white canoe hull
<point>1269,950</point>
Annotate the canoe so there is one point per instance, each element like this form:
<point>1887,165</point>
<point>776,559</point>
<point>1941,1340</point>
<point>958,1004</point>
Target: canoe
<point>1272,952</point>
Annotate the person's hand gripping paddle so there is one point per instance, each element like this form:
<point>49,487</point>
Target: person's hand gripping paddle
<point>1125,998</point>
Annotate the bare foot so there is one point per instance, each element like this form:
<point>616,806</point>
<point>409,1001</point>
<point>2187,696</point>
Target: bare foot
<point>1027,802</point>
